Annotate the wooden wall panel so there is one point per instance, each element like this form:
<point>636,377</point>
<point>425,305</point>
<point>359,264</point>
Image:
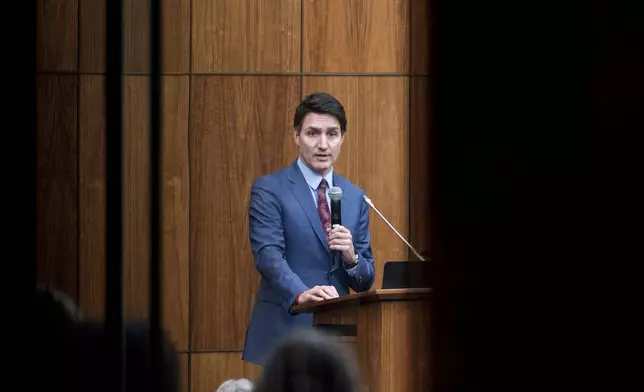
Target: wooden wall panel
<point>246,35</point>
<point>136,171</point>
<point>136,36</point>
<point>175,39</point>
<point>210,370</point>
<point>92,194</point>
<point>56,35</point>
<point>176,202</point>
<point>57,182</point>
<point>419,165</point>
<point>236,135</point>
<point>176,36</point>
<point>92,35</point>
<point>374,153</point>
<point>184,372</point>
<point>356,36</point>
<point>419,37</point>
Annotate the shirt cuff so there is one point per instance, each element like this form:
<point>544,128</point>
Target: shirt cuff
<point>353,271</point>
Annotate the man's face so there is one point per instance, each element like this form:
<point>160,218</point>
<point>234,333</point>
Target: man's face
<point>319,140</point>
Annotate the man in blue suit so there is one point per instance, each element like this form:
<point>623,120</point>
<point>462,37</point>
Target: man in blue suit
<point>291,235</point>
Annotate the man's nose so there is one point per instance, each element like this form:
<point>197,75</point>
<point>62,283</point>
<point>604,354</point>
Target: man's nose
<point>324,143</point>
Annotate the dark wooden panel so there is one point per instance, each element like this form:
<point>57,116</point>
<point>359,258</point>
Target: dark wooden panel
<point>136,36</point>
<point>176,188</point>
<point>136,185</point>
<point>92,194</point>
<point>419,165</point>
<point>236,136</point>
<point>57,35</point>
<point>176,36</point>
<point>184,372</point>
<point>246,35</point>
<point>92,35</point>
<point>374,153</point>
<point>419,38</point>
<point>57,182</point>
<point>210,370</point>
<point>356,36</point>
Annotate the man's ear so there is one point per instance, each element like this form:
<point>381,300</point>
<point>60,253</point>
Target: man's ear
<point>296,135</point>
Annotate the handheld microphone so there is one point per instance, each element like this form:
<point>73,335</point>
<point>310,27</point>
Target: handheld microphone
<point>335,194</point>
<point>366,199</point>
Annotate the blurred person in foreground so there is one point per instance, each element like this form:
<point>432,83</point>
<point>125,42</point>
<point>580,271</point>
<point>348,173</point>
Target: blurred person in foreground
<point>309,361</point>
<point>73,350</point>
<point>238,385</point>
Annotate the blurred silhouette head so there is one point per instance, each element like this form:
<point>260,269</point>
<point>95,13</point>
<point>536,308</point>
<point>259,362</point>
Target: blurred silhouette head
<point>309,361</point>
<point>93,358</point>
<point>74,354</point>
<point>239,385</point>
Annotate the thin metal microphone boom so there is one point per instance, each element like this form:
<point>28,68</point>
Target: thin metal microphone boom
<point>392,228</point>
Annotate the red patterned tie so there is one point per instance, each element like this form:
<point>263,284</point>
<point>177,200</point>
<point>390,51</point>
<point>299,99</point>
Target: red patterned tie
<point>323,207</point>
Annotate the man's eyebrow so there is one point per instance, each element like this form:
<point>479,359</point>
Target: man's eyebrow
<point>311,128</point>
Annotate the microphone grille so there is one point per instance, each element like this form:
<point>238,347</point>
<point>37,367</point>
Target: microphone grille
<point>335,193</point>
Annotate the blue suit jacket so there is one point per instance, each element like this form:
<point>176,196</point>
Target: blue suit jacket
<point>292,254</point>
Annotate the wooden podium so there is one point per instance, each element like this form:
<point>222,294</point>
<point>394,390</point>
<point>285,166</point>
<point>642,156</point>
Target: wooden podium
<point>388,332</point>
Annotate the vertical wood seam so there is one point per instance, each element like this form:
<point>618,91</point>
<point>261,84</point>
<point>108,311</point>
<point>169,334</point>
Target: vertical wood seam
<point>301,49</point>
<point>190,77</point>
<point>78,147</point>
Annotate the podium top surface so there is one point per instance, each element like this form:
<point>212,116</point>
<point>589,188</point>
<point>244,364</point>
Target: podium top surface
<point>367,296</point>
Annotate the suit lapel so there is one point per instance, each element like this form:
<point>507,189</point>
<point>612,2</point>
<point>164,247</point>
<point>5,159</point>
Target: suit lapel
<point>302,193</point>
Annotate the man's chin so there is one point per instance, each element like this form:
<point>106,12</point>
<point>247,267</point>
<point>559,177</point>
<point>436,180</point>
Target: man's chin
<point>322,168</point>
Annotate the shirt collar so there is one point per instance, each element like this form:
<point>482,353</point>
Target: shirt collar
<point>312,178</point>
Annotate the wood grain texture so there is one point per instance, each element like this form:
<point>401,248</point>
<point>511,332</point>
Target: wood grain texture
<point>210,370</point>
<point>237,134</point>
<point>394,336</point>
<point>57,182</point>
<point>246,35</point>
<point>92,35</point>
<point>176,202</point>
<point>374,153</point>
<point>419,37</point>
<point>176,36</point>
<point>341,315</point>
<point>356,36</point>
<point>136,36</point>
<point>419,166</point>
<point>184,372</point>
<point>92,195</point>
<point>175,199</point>
<point>136,193</point>
<point>56,35</point>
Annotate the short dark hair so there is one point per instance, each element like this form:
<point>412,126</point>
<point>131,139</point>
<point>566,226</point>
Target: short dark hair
<point>320,103</point>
